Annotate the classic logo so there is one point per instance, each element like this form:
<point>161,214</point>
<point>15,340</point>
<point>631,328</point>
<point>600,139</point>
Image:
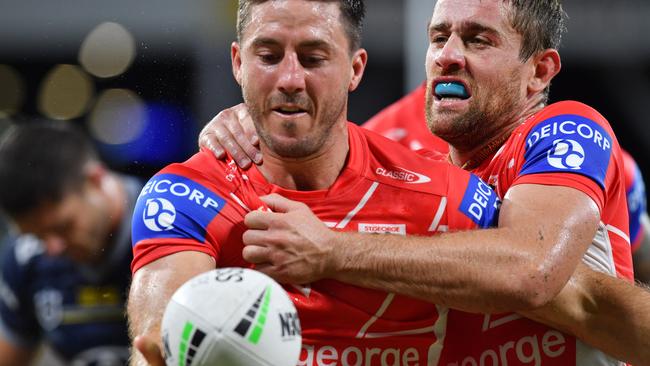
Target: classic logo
<point>159,214</point>
<point>404,175</point>
<point>566,154</point>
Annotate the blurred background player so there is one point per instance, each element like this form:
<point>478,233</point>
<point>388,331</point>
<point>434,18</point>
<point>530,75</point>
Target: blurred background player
<point>67,288</point>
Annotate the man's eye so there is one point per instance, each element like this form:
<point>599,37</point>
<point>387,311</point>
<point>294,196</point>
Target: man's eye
<point>268,57</point>
<point>439,39</point>
<point>479,40</point>
<point>312,60</point>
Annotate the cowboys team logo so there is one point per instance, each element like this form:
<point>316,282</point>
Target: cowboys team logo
<point>566,154</point>
<point>48,304</point>
<point>159,214</point>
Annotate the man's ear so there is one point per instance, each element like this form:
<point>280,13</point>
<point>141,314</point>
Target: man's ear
<point>359,61</point>
<point>95,173</point>
<point>235,58</point>
<point>546,65</point>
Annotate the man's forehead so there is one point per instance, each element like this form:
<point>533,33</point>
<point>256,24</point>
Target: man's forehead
<point>491,13</point>
<point>317,19</point>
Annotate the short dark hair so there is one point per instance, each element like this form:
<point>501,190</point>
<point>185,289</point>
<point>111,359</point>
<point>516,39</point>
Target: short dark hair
<point>40,163</point>
<point>541,24</point>
<point>352,14</point>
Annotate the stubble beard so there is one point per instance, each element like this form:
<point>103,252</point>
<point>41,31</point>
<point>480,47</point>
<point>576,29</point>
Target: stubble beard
<point>306,145</point>
<point>484,120</point>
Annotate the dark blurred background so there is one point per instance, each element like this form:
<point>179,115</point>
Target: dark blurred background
<point>143,77</point>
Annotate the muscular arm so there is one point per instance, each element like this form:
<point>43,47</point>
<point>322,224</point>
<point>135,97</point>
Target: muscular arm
<point>151,289</point>
<point>12,355</point>
<point>543,232</point>
<point>605,312</point>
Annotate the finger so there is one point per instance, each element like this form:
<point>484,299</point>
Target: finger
<point>249,130</point>
<point>256,254</point>
<point>208,140</point>
<point>243,142</point>
<point>149,349</point>
<point>281,204</point>
<point>226,140</point>
<point>258,219</point>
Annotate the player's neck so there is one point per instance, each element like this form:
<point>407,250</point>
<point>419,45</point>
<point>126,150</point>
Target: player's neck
<point>317,171</point>
<point>472,157</point>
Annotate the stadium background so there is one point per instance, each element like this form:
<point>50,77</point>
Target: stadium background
<point>142,77</point>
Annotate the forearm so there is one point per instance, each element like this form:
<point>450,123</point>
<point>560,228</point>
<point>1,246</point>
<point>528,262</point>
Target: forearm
<point>152,287</point>
<point>605,312</point>
<point>475,271</point>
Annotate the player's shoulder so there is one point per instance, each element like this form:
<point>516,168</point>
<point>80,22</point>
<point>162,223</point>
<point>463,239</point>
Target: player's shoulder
<point>202,173</point>
<point>22,251</point>
<point>391,163</point>
<point>568,110</point>
<point>20,259</point>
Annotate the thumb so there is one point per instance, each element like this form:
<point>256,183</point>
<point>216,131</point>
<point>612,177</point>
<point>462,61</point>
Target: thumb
<point>280,204</point>
<point>149,349</point>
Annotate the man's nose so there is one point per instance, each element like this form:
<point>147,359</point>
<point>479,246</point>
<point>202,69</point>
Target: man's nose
<point>292,75</point>
<point>452,55</point>
<point>54,244</point>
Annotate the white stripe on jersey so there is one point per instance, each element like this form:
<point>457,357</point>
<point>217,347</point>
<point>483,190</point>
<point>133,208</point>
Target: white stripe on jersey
<point>240,202</point>
<point>618,232</point>
<point>380,312</point>
<point>436,219</point>
<point>599,255</point>
<point>362,203</point>
<point>402,332</point>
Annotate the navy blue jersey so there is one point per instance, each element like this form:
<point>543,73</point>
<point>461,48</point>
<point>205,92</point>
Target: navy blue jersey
<point>78,310</point>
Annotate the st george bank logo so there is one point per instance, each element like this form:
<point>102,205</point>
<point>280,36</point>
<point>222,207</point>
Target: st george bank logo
<point>566,154</point>
<point>159,214</point>
<point>404,175</point>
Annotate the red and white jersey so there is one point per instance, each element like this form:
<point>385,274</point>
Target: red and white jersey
<point>383,189</point>
<point>404,121</point>
<point>509,339</point>
<point>566,144</point>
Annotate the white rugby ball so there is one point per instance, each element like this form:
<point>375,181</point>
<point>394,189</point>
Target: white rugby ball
<point>231,317</point>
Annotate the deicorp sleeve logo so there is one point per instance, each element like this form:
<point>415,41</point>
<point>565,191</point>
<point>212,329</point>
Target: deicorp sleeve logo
<point>480,203</point>
<point>173,206</point>
<point>568,143</point>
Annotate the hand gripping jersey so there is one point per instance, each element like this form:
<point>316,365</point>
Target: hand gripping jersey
<point>636,199</point>
<point>404,122</point>
<point>383,189</point>
<point>76,309</point>
<point>566,144</point>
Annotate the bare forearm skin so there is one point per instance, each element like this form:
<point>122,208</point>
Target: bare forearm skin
<point>521,265</point>
<point>456,270</point>
<point>605,312</point>
<point>152,287</point>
